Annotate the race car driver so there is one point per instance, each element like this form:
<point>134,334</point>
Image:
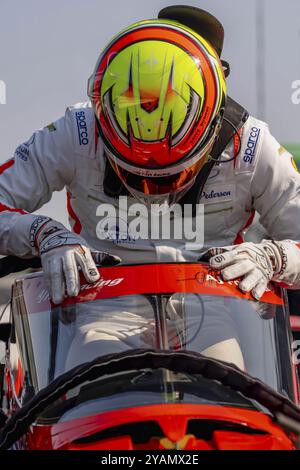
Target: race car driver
<point>152,132</point>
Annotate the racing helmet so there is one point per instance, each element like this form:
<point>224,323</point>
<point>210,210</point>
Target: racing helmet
<point>158,91</point>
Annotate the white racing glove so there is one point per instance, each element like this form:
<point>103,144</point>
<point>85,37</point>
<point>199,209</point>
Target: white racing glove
<point>258,264</point>
<point>62,253</point>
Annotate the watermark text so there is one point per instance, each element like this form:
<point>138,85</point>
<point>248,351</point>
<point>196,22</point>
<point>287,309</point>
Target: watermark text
<point>130,223</point>
<point>2,92</point>
<point>296,92</point>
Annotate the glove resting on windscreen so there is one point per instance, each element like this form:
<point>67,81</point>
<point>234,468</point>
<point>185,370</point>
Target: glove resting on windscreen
<point>62,253</point>
<point>258,264</point>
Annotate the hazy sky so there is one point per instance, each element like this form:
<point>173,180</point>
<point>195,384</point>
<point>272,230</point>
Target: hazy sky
<point>49,48</point>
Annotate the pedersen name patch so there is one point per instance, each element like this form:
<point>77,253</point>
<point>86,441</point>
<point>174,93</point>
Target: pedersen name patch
<point>251,147</point>
<point>217,193</point>
<point>82,128</point>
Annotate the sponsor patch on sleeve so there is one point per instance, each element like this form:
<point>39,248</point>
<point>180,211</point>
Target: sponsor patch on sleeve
<point>82,127</point>
<point>294,164</point>
<point>51,127</point>
<point>251,147</point>
<point>22,152</point>
<point>249,150</point>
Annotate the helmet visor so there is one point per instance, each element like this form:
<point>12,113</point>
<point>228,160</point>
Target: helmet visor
<point>159,185</point>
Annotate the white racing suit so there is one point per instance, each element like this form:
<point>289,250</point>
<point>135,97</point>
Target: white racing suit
<point>69,154</point>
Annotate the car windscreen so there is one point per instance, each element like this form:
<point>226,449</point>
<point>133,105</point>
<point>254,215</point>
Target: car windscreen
<point>233,330</point>
<point>230,329</point>
<point>213,318</point>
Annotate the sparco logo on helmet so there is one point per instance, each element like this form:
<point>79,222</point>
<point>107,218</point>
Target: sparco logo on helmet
<point>82,128</point>
<point>251,145</point>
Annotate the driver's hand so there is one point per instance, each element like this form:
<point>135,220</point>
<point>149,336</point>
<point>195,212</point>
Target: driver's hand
<point>255,263</point>
<point>62,254</point>
<point>258,263</point>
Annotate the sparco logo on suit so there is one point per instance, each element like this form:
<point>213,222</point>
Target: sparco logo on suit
<point>251,145</point>
<point>82,128</point>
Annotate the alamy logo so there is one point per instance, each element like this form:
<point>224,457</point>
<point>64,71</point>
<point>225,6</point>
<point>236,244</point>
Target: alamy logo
<point>130,223</point>
<point>296,92</point>
<point>296,352</point>
<point>2,92</point>
<point>251,145</point>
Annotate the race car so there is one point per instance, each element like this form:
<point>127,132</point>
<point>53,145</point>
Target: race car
<point>152,356</point>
